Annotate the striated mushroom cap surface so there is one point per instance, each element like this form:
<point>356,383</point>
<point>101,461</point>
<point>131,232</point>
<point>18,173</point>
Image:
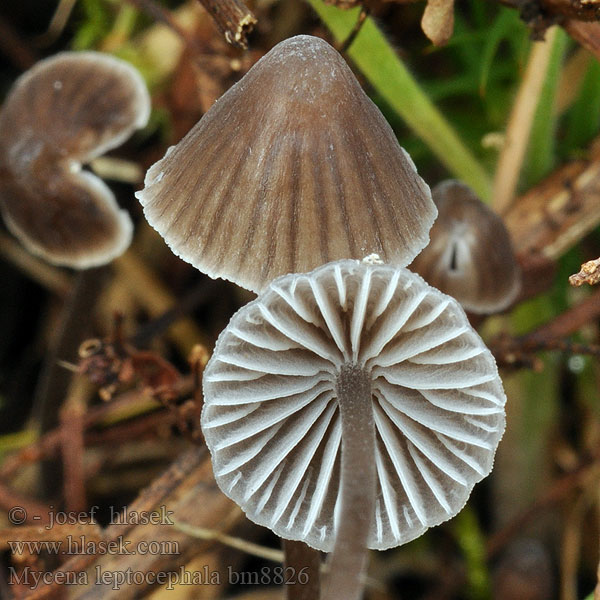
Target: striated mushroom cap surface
<point>470,255</point>
<point>272,422</point>
<point>65,111</point>
<point>293,167</point>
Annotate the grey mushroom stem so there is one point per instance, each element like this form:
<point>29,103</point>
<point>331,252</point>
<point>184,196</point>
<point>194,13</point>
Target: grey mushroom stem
<point>357,489</point>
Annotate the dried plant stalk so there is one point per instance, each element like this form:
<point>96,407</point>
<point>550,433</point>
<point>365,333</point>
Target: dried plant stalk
<point>156,299</point>
<point>554,215</point>
<point>233,18</point>
<point>49,277</point>
<point>73,445</point>
<point>586,33</point>
<point>589,273</point>
<point>179,490</point>
<point>520,124</point>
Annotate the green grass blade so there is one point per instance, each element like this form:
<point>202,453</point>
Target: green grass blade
<point>472,543</point>
<point>380,65</point>
<point>583,120</point>
<point>541,155</point>
<point>499,30</point>
<point>94,24</point>
<point>10,442</point>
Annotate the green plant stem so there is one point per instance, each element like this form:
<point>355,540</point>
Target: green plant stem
<point>472,543</point>
<point>380,65</point>
<point>542,147</point>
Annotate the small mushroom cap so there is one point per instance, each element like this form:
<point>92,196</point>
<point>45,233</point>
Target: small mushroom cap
<point>470,255</point>
<point>293,167</point>
<point>272,422</point>
<point>66,110</point>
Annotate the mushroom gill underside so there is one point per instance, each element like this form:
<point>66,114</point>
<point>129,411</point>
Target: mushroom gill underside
<point>272,416</point>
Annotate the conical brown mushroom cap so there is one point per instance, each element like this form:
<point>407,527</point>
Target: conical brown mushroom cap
<point>293,167</point>
<point>66,110</point>
<point>470,255</point>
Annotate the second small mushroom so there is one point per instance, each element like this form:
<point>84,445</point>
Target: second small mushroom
<point>470,254</point>
<point>65,111</point>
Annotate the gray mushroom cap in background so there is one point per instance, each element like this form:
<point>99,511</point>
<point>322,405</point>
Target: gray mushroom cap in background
<point>272,422</point>
<point>67,110</point>
<point>470,255</point>
<point>292,167</point>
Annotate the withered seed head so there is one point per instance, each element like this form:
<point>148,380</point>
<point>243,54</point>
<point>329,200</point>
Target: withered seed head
<point>65,111</point>
<point>293,167</point>
<point>470,254</point>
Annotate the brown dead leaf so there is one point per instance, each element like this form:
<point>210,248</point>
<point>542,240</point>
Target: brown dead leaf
<point>438,21</point>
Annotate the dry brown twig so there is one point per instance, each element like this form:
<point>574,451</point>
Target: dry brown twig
<point>233,18</point>
<point>589,273</point>
<point>554,215</point>
<point>586,33</point>
<point>10,499</point>
<point>113,362</point>
<point>52,278</point>
<point>151,293</point>
<point>186,415</point>
<point>581,477</point>
<point>57,24</point>
<point>14,47</point>
<point>72,426</point>
<point>581,10</point>
<point>519,352</point>
<point>569,321</point>
<point>107,416</point>
<point>41,531</point>
<point>573,530</point>
<point>179,489</point>
<point>538,15</point>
